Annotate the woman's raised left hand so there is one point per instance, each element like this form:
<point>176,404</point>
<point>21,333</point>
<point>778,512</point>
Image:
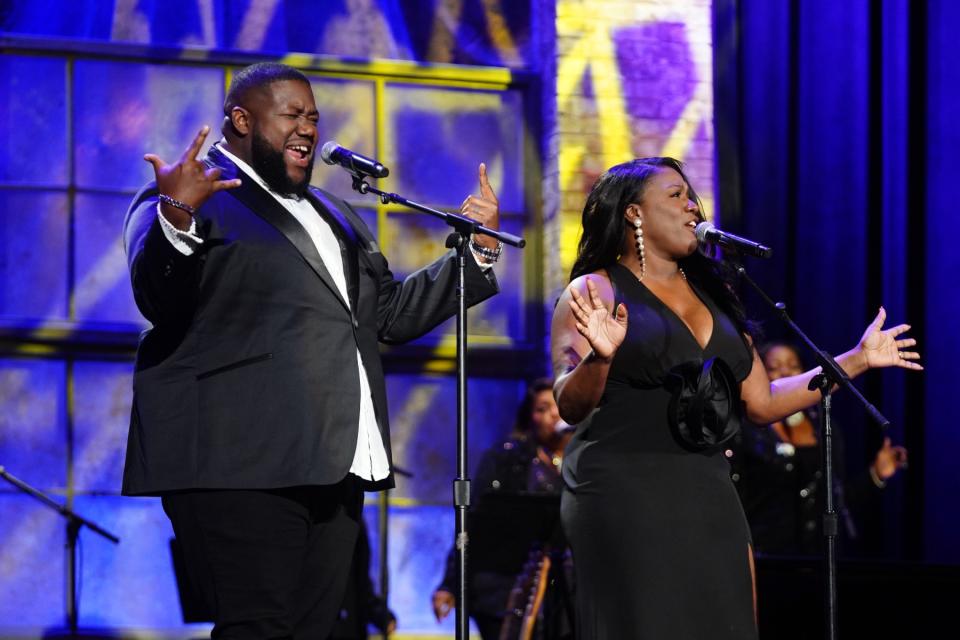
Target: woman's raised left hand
<point>882,348</point>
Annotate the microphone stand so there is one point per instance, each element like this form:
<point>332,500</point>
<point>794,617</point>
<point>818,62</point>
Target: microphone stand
<point>74,524</point>
<point>830,375</point>
<point>463,228</point>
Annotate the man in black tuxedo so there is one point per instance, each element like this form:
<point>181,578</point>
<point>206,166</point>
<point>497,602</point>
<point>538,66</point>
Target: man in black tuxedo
<point>259,410</point>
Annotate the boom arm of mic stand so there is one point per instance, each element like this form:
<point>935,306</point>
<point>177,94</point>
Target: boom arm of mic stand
<point>59,508</point>
<point>462,224</point>
<point>832,371</point>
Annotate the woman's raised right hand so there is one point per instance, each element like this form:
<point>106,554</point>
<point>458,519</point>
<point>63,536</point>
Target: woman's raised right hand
<point>604,331</point>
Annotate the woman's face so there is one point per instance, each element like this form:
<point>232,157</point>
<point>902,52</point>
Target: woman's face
<point>782,362</point>
<point>544,416</point>
<point>669,214</point>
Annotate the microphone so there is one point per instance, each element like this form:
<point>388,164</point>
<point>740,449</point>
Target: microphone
<point>563,427</point>
<point>707,233</point>
<point>332,153</point>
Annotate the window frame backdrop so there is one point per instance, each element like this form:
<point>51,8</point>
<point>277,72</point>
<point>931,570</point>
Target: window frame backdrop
<point>65,373</point>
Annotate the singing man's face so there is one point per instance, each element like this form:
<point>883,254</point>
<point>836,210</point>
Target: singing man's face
<point>284,136</point>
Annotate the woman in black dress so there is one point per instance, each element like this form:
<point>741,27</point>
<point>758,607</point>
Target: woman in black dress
<point>654,361</point>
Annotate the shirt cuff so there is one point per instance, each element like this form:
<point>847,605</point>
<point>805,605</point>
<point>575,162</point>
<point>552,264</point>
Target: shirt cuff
<point>484,266</point>
<point>186,242</point>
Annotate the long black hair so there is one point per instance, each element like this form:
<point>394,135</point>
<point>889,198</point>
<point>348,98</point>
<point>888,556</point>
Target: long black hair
<point>604,226</point>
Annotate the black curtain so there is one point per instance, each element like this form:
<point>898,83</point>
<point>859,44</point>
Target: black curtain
<point>836,129</point>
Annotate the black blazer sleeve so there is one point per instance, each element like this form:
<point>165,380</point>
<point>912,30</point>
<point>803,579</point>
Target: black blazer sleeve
<point>164,280</point>
<point>412,307</point>
<point>427,297</point>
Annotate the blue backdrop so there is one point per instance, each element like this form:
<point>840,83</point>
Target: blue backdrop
<point>838,149</point>
<point>86,88</point>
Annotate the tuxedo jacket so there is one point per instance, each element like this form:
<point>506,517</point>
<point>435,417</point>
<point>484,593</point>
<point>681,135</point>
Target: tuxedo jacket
<point>248,378</point>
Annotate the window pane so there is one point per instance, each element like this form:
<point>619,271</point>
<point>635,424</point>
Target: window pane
<point>438,137</point>
<point>33,433</point>
<point>346,117</point>
<point>103,392</point>
<point>33,255</point>
<point>411,241</point>
<point>33,121</point>
<point>124,110</point>
<point>102,292</point>
<point>137,572</point>
<point>423,424</point>
<point>31,555</point>
<point>419,539</point>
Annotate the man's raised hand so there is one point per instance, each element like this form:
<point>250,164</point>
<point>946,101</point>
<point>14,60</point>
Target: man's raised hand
<point>484,208</point>
<point>189,181</point>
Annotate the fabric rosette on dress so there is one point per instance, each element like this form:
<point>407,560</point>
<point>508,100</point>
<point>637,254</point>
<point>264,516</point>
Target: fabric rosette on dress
<point>704,410</point>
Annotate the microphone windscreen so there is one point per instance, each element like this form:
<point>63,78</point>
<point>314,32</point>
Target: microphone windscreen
<point>326,151</point>
<point>703,229</point>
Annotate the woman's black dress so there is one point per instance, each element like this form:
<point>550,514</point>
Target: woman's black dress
<point>660,543</point>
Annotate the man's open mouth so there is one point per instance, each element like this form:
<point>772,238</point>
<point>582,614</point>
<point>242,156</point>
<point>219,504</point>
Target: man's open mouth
<point>299,154</point>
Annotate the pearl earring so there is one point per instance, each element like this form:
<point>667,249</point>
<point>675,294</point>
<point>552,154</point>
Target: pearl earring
<point>638,230</point>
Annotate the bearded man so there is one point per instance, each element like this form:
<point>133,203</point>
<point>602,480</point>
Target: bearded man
<point>259,410</point>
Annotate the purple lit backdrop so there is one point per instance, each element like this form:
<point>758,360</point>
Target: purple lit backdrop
<point>848,233</point>
<point>73,129</point>
<point>846,129</point>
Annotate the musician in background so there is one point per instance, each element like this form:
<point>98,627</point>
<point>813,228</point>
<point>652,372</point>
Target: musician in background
<point>528,462</point>
<point>776,469</point>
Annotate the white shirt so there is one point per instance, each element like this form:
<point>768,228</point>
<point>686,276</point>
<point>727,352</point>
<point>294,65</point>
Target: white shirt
<point>370,456</point>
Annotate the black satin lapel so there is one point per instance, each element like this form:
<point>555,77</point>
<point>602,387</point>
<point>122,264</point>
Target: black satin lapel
<point>255,198</point>
<point>350,239</point>
<point>228,170</point>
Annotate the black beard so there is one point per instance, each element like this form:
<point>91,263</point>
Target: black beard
<point>272,167</point>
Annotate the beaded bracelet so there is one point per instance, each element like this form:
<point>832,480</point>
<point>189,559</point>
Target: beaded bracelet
<point>488,254</point>
<point>176,203</point>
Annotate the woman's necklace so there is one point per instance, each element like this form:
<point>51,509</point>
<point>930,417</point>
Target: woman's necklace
<point>683,274</point>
